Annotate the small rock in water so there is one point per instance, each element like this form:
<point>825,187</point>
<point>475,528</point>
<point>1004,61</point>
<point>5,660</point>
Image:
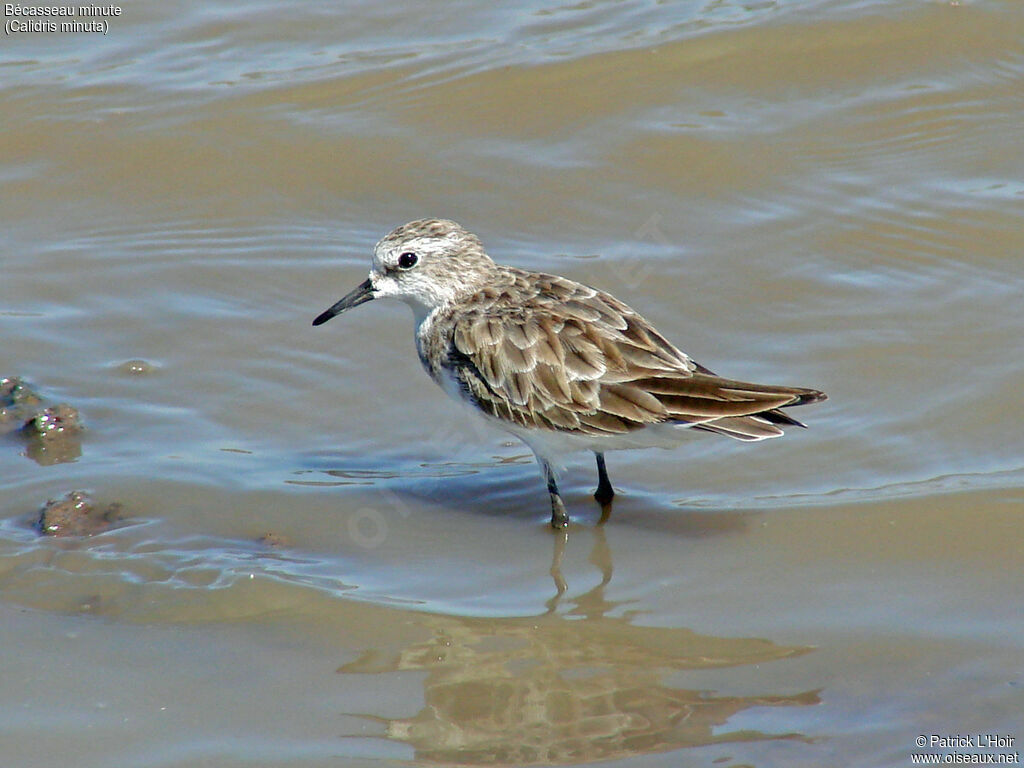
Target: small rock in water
<point>54,435</point>
<point>136,367</point>
<point>53,422</point>
<point>17,403</point>
<point>75,515</point>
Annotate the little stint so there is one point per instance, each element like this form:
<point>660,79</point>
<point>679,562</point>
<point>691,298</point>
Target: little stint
<point>560,365</point>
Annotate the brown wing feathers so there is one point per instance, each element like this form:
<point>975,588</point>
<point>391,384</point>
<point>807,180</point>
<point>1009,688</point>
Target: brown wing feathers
<point>579,360</point>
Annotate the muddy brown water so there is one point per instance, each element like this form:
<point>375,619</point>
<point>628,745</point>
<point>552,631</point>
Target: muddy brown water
<point>322,561</point>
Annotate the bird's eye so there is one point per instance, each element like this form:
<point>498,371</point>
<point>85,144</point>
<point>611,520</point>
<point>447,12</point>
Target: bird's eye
<point>407,260</point>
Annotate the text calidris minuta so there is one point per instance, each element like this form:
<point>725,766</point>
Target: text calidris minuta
<point>560,365</point>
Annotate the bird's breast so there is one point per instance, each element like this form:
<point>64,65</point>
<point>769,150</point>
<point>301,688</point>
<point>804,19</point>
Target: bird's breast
<point>432,346</point>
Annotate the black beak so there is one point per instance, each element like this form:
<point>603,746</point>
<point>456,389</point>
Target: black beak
<point>360,295</point>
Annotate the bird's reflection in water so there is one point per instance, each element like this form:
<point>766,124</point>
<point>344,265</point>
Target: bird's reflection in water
<point>574,684</point>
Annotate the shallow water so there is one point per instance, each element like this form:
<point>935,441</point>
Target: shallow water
<point>824,194</point>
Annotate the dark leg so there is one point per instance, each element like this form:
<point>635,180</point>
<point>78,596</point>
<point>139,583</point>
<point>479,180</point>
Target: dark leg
<point>559,518</point>
<point>604,493</point>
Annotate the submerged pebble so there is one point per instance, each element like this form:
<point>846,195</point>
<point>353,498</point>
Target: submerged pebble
<point>136,367</point>
<point>275,540</point>
<point>75,515</point>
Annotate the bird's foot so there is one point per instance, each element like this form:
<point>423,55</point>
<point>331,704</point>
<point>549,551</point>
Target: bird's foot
<point>604,495</point>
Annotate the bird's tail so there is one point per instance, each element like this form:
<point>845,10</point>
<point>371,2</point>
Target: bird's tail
<point>736,409</point>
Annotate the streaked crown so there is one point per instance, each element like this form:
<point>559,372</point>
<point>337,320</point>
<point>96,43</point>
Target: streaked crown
<point>429,262</point>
